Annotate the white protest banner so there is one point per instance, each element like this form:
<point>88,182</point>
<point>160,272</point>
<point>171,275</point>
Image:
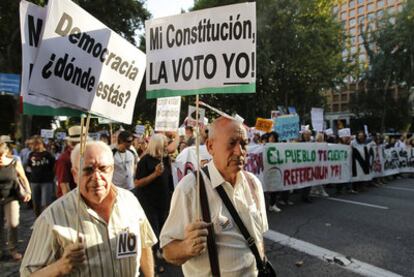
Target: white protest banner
<point>207,51</point>
<point>377,160</point>
<point>391,161</point>
<point>167,117</point>
<point>32,22</point>
<point>46,133</point>
<point>362,160</point>
<point>83,63</point>
<point>139,129</point>
<point>317,119</point>
<point>285,166</point>
<point>406,155</point>
<point>186,162</point>
<point>254,160</point>
<point>297,165</point>
<point>287,126</point>
<point>191,118</point>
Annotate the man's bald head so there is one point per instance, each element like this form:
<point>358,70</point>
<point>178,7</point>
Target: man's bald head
<point>222,124</point>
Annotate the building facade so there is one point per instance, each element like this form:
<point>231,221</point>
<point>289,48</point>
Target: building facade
<point>356,17</point>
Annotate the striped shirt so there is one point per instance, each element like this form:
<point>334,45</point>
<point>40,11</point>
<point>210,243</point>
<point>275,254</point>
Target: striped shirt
<point>235,256</point>
<point>56,228</point>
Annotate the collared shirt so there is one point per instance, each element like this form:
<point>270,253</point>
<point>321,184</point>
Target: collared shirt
<point>235,257</point>
<point>124,169</point>
<point>56,228</point>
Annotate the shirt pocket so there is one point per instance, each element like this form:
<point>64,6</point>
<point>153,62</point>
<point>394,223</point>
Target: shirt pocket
<point>222,224</point>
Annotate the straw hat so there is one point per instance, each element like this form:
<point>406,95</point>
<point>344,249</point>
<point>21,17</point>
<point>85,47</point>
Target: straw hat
<point>74,133</point>
<point>5,138</point>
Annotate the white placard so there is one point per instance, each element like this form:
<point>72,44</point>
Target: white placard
<point>207,51</point>
<point>191,117</point>
<point>32,22</point>
<point>46,133</point>
<point>83,63</point>
<point>60,135</point>
<point>139,129</point>
<point>167,117</point>
<point>317,119</point>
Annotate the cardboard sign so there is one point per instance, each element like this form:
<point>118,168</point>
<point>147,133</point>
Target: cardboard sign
<point>317,119</point>
<point>167,117</point>
<point>207,51</point>
<point>83,63</point>
<point>287,127</point>
<point>264,125</point>
<point>46,133</point>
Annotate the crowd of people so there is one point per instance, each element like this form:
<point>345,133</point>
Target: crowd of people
<point>129,206</point>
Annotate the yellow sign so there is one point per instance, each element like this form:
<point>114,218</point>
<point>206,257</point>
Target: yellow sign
<point>264,125</point>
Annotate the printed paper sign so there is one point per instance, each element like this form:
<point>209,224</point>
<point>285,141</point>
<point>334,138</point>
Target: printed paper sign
<point>287,127</point>
<point>317,119</point>
<point>60,135</point>
<point>83,63</point>
<point>263,124</point>
<point>206,51</point>
<point>46,133</point>
<point>167,117</point>
<point>191,118</point>
<point>139,129</point>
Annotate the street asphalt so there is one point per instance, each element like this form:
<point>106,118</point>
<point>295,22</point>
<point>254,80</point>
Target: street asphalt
<point>375,227</point>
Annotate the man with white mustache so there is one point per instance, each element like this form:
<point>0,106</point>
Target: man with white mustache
<point>115,235</point>
<point>184,235</point>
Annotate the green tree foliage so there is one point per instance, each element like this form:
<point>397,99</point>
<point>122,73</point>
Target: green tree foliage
<point>390,69</point>
<point>299,47</point>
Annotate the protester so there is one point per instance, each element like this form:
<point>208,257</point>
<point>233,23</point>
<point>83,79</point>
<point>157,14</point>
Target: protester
<point>306,137</point>
<point>183,237</point>
<point>24,155</point>
<point>11,173</point>
<point>124,161</point>
<point>140,145</point>
<point>273,137</point>
<point>106,214</point>
<point>320,189</point>
<point>105,138</point>
<point>41,163</point>
<point>189,136</point>
<point>155,185</point>
<point>65,182</point>
<point>345,139</point>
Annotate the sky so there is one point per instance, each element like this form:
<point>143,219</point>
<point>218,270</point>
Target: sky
<point>161,8</point>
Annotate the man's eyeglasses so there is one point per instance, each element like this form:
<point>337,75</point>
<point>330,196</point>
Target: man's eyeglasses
<point>89,170</point>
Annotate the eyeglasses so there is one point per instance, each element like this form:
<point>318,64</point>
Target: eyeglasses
<point>89,170</point>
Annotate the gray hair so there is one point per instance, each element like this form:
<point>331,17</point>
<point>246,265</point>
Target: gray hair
<point>156,145</point>
<point>74,156</point>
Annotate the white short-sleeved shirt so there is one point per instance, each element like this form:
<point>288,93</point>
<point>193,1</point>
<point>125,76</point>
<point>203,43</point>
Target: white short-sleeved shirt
<point>55,228</point>
<point>235,257</point>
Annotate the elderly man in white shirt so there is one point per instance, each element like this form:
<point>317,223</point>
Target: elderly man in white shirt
<point>183,237</point>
